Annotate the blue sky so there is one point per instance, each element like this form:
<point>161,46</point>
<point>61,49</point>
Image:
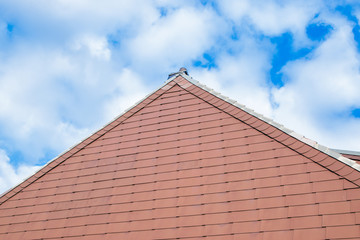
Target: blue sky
<point>69,67</point>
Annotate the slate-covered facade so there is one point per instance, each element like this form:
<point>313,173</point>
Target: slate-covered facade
<point>188,163</point>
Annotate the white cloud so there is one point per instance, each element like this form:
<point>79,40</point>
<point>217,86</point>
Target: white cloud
<point>63,18</point>
<point>10,176</point>
<point>34,98</point>
<point>127,90</point>
<point>243,75</point>
<point>97,46</point>
<point>176,38</point>
<point>273,18</point>
<point>322,90</point>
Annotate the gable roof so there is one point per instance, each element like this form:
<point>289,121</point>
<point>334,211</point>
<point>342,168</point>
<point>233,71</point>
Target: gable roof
<point>188,163</point>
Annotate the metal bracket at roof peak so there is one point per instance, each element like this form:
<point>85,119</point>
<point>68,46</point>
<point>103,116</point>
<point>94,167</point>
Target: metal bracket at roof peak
<point>181,71</point>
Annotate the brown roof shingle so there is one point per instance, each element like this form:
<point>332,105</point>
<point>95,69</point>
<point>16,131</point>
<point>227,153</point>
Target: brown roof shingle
<point>186,164</point>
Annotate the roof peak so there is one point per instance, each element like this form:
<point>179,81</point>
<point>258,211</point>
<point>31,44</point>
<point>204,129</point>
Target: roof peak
<point>182,70</point>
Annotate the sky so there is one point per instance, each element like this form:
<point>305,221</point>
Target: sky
<point>69,67</point>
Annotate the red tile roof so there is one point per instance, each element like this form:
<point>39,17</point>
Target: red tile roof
<point>185,163</point>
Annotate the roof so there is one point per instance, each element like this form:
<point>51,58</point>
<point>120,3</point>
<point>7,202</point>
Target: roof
<point>188,163</point>
<point>353,155</point>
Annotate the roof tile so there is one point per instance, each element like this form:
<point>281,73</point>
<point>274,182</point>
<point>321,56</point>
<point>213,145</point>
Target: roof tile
<point>343,232</point>
<point>335,207</point>
<point>277,235</point>
<point>355,205</point>
<point>246,227</point>
<point>293,200</point>
<point>273,213</point>
<point>339,219</point>
<point>304,210</point>
<point>275,224</point>
<point>309,234</point>
<point>306,222</point>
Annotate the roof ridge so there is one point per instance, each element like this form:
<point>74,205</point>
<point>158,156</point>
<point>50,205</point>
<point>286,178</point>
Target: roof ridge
<point>84,142</point>
<point>328,151</point>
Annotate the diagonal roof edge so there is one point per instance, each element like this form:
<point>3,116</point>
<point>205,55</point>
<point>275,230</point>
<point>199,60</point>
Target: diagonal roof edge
<point>281,127</point>
<point>75,148</point>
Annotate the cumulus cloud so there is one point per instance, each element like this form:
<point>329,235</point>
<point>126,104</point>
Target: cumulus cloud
<point>97,46</point>
<point>175,39</point>
<point>63,18</point>
<point>10,176</point>
<point>34,101</point>
<point>273,18</point>
<point>322,90</point>
<point>127,90</point>
<point>242,76</point>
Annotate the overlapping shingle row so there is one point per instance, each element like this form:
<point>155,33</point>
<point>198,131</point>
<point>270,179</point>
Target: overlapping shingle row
<point>185,164</point>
